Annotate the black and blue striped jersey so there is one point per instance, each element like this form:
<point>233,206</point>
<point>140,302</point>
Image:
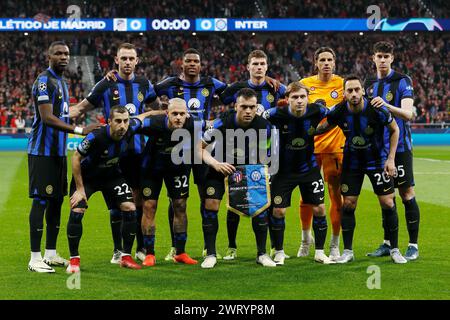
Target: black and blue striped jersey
<point>266,96</point>
<point>101,153</point>
<point>159,148</point>
<point>366,146</point>
<point>198,95</point>
<point>132,94</point>
<point>44,140</point>
<point>393,89</point>
<point>296,147</point>
<point>239,145</point>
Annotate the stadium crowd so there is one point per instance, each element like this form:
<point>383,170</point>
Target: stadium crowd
<point>223,57</point>
<point>231,8</point>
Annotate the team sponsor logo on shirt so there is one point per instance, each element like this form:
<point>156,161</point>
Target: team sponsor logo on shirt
<point>334,94</point>
<point>140,97</point>
<point>193,103</point>
<point>131,108</point>
<point>210,191</point>
<point>205,92</point>
<point>297,144</point>
<point>270,98</point>
<point>147,192</point>
<point>49,189</point>
<point>277,200</point>
<point>358,141</point>
<point>389,96</point>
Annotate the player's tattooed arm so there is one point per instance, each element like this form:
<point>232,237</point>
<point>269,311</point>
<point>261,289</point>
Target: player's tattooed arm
<point>79,109</point>
<point>80,193</point>
<point>394,132</point>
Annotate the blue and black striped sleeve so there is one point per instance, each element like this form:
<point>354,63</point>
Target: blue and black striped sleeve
<point>385,115</point>
<point>405,88</point>
<point>96,95</point>
<point>87,145</point>
<point>150,95</point>
<point>45,90</point>
<point>219,86</point>
<point>282,91</point>
<point>229,94</point>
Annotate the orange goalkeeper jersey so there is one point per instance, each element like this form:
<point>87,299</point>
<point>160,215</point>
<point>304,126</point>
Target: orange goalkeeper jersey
<point>330,93</point>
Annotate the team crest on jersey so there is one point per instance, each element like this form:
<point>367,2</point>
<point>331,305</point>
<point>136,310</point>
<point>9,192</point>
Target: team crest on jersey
<point>334,94</point>
<point>42,86</point>
<point>193,103</point>
<point>311,131</point>
<point>344,188</point>
<point>140,97</point>
<point>147,192</point>
<point>389,96</point>
<point>210,191</point>
<point>368,130</point>
<point>49,189</point>
<point>270,98</point>
<point>131,108</point>
<point>358,141</point>
<point>205,92</point>
<point>277,200</point>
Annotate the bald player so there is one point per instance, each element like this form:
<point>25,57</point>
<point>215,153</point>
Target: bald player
<point>157,165</point>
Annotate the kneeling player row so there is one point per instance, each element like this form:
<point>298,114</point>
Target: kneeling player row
<point>96,168</point>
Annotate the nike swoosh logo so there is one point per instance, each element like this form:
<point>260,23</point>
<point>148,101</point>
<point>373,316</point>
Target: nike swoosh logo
<point>72,237</point>
<point>180,93</point>
<point>413,221</point>
<point>114,98</point>
<point>39,230</point>
<point>384,190</point>
<point>132,234</point>
<point>400,183</point>
<point>184,193</point>
<point>321,198</point>
<point>128,198</point>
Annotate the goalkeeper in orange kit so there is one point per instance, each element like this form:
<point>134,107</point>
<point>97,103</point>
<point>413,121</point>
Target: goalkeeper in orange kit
<point>325,88</point>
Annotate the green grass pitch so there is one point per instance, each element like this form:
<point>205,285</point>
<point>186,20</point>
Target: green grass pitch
<point>299,278</point>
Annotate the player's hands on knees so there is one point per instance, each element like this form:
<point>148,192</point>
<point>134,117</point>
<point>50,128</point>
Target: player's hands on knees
<point>77,196</point>
<point>377,102</point>
<point>91,127</point>
<point>111,75</point>
<point>224,168</point>
<point>389,167</point>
